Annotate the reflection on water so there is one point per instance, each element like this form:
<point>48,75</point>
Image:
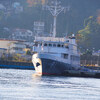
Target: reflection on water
<point>26,85</point>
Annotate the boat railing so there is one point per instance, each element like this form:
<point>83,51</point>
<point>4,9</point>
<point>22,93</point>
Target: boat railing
<point>50,39</point>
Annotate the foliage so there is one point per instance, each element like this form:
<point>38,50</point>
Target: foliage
<point>87,52</point>
<point>89,37</point>
<point>16,57</point>
<point>71,21</point>
<point>28,52</point>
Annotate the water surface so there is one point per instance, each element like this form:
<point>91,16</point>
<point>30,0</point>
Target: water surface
<point>26,85</point>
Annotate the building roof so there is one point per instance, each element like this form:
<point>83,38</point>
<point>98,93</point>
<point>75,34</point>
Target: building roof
<point>13,40</point>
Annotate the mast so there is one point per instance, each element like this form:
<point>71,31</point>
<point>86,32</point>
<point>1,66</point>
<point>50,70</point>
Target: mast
<point>55,9</point>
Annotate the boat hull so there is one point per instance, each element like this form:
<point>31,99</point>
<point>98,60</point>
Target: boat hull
<point>48,65</point>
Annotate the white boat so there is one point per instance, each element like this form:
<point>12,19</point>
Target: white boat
<point>54,55</point>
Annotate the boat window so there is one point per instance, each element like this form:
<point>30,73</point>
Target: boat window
<point>66,47</point>
<point>62,45</point>
<point>50,45</point>
<point>45,44</point>
<point>67,41</point>
<point>58,45</point>
<point>65,56</point>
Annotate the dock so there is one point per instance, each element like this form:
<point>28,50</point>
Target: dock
<point>16,65</point>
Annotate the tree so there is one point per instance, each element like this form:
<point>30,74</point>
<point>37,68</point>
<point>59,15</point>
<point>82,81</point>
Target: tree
<point>89,37</point>
<point>28,52</point>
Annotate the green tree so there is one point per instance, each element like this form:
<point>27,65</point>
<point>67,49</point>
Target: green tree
<point>28,52</point>
<point>90,35</point>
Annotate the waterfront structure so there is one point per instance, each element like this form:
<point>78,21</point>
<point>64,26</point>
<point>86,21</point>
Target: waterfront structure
<point>54,55</point>
<point>4,43</point>
<point>90,60</point>
<point>16,64</point>
<point>17,48</point>
<point>13,46</point>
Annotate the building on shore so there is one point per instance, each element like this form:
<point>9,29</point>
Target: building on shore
<point>4,43</point>
<point>96,53</point>
<point>12,46</point>
<point>22,34</point>
<point>90,60</point>
<point>17,48</point>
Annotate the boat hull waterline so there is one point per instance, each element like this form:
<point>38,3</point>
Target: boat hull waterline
<point>48,65</point>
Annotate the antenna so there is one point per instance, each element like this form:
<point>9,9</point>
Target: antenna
<point>55,9</point>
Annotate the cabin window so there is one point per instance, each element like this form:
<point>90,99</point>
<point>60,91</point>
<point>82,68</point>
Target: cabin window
<point>66,47</point>
<point>67,41</point>
<point>50,45</point>
<point>62,45</point>
<point>58,45</point>
<point>45,44</point>
<point>65,56</point>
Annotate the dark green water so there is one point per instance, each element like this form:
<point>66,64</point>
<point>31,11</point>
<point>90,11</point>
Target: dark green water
<point>25,85</point>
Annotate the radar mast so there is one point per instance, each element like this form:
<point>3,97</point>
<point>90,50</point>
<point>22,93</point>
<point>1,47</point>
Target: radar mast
<point>55,9</point>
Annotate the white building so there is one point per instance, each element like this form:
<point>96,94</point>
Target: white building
<point>17,48</point>
<point>17,7</point>
<point>13,46</point>
<point>4,43</point>
<point>22,34</point>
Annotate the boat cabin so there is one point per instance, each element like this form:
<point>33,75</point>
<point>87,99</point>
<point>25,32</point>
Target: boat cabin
<point>65,48</point>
